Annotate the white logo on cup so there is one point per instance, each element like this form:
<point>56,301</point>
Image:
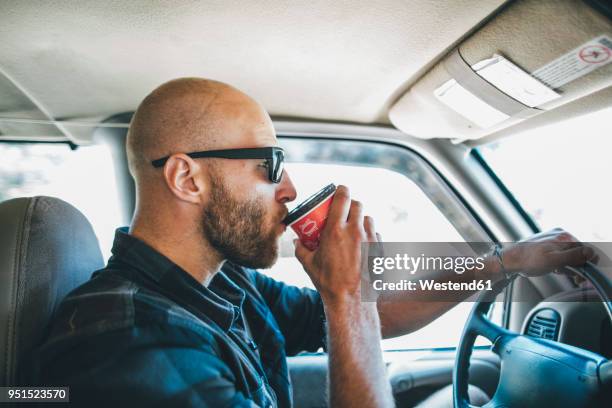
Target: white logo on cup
<point>308,227</point>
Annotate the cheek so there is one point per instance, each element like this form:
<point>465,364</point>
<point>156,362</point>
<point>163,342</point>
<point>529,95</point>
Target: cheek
<point>265,192</point>
<point>239,178</point>
<point>248,184</point>
<point>264,204</point>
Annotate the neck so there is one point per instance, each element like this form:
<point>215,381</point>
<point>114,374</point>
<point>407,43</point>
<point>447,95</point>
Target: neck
<point>187,248</point>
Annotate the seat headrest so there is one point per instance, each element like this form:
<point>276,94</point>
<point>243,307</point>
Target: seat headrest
<point>47,248</point>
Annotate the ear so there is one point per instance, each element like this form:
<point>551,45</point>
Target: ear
<point>184,178</point>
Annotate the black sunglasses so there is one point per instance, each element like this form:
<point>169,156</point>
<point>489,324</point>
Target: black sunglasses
<point>274,157</point>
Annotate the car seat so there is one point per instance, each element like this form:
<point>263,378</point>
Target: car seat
<point>47,248</point>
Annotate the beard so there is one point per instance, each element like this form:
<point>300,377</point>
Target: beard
<point>235,228</point>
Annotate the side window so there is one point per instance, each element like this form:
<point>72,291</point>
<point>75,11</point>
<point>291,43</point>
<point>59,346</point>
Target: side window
<point>83,177</point>
<point>406,198</point>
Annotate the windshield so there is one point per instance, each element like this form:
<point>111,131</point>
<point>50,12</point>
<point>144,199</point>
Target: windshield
<point>561,173</point>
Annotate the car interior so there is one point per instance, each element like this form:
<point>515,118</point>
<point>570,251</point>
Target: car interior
<point>432,112</point>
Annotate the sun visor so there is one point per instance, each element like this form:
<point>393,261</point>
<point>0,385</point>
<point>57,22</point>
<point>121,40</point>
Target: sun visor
<point>534,57</point>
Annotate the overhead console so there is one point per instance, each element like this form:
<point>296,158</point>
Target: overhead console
<point>537,59</point>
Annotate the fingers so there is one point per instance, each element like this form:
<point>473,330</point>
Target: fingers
<point>340,207</point>
<point>555,235</point>
<point>302,253</point>
<point>565,240</point>
<point>355,215</point>
<point>573,257</point>
<point>379,246</point>
<point>561,245</point>
<point>565,236</point>
<point>589,253</point>
<point>370,230</point>
<point>553,240</point>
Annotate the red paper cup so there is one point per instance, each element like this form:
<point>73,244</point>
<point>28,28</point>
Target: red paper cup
<point>308,219</point>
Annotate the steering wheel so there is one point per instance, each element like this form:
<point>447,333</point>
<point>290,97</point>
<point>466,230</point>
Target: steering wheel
<point>535,372</point>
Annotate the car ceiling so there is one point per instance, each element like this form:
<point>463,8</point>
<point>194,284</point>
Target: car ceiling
<point>317,60</point>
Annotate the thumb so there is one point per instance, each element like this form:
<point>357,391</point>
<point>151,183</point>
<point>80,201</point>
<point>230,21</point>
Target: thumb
<point>302,253</point>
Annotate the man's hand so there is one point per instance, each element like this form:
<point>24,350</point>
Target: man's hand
<point>546,252</point>
<point>334,267</point>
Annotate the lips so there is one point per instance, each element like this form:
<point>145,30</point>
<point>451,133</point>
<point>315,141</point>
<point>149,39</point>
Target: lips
<point>284,218</point>
<point>283,226</point>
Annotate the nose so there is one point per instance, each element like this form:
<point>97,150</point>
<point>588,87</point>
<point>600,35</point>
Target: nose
<point>285,192</point>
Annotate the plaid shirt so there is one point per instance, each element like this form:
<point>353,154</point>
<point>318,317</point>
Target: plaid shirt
<point>143,332</point>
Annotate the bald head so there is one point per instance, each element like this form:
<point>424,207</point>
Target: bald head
<point>191,114</point>
<point>199,212</point>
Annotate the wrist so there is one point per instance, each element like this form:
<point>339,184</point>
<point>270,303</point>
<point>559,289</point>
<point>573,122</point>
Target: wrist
<point>342,298</point>
<point>495,265</point>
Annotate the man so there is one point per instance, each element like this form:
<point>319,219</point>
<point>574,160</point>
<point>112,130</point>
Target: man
<point>180,316</point>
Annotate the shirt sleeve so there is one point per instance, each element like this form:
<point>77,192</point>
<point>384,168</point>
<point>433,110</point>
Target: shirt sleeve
<point>298,311</point>
<point>160,375</point>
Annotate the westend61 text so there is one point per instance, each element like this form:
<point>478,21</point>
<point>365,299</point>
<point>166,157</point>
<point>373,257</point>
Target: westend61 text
<point>430,284</point>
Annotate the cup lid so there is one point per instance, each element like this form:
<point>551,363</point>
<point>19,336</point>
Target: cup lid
<point>310,203</point>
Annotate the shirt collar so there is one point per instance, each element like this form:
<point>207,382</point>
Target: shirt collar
<point>221,300</point>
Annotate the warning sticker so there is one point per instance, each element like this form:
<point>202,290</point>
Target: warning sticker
<point>576,63</point>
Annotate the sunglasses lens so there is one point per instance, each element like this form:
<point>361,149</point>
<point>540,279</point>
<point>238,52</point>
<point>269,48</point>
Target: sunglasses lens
<point>277,174</point>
